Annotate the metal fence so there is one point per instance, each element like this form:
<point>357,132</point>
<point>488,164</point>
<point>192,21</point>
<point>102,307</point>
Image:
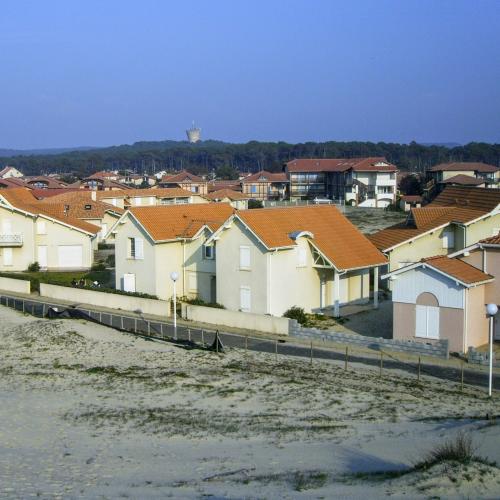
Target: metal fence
<point>206,338</point>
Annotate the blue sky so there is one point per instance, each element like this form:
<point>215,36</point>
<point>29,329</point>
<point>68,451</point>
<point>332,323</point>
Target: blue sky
<point>113,72</point>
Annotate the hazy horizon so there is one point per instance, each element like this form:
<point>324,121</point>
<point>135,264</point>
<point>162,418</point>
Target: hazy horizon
<point>118,72</point>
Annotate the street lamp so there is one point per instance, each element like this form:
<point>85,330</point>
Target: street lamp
<point>174,277</point>
<point>491,311</point>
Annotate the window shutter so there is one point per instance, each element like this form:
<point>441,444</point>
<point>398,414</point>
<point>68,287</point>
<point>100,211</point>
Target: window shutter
<point>245,299</point>
<point>7,226</point>
<point>139,248</point>
<point>193,282</point>
<point>7,256</point>
<point>244,257</point>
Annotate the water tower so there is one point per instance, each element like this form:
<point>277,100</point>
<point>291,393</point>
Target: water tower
<point>193,134</point>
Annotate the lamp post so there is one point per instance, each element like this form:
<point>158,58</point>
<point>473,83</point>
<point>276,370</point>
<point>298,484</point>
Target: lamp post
<point>491,311</point>
<point>174,277</point>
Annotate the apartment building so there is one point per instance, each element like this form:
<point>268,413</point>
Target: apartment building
<point>269,260</point>
<point>364,182</point>
<point>464,173</point>
<point>265,185</point>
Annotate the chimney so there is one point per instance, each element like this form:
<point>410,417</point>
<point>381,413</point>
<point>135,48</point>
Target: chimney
<point>93,195</point>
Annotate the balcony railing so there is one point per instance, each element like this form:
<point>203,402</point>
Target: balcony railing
<point>11,240</point>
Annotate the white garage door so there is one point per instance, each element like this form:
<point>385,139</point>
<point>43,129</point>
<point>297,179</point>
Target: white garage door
<point>70,256</point>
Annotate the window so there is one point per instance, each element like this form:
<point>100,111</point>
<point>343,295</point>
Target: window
<point>136,248</point>
<point>151,201</point>
<point>194,189</point>
<point>244,257</point>
<point>448,239</point>
<point>427,322</point>
<point>208,251</point>
<point>138,202</point>
<point>301,257</point>
<point>88,207</point>
<point>113,202</point>
<point>245,299</point>
<point>6,226</point>
<point>253,189</point>
<point>192,282</point>
<point>41,227</point>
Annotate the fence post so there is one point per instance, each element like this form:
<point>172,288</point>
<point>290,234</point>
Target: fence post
<point>311,352</point>
<point>462,376</point>
<point>149,329</point>
<point>246,345</point>
<point>121,322</point>
<point>100,317</point>
<point>276,351</point>
<point>43,311</point>
<point>346,356</point>
<point>217,341</point>
<point>381,362</point>
<point>189,334</point>
<point>23,306</point>
<point>202,338</point>
<point>135,325</point>
<point>418,370</point>
<point>161,329</point>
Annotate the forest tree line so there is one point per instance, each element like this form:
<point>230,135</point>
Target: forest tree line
<point>208,156</point>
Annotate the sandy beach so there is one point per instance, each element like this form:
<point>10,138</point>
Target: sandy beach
<point>89,412</point>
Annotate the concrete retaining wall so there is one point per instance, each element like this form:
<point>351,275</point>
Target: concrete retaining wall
<point>437,348</point>
<point>236,319</point>
<point>106,299</point>
<point>13,285</point>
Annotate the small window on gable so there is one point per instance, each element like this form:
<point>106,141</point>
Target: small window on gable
<point>208,252</point>
<point>301,257</point>
<point>41,227</point>
<point>448,239</point>
<point>244,257</point>
<point>88,207</point>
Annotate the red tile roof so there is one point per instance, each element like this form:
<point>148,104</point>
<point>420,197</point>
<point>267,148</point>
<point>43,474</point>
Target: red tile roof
<point>170,222</point>
<point>183,176</point>
<point>464,180</point>
<point>221,194</point>
<point>411,198</point>
<point>375,164</point>
<point>333,234</point>
<point>492,240</point>
<point>464,166</point>
<point>265,176</point>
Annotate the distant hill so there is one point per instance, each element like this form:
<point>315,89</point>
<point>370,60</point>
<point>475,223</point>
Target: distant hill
<point>206,156</point>
<point>49,151</point>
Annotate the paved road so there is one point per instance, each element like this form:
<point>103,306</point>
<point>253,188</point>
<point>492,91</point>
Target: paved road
<point>191,337</point>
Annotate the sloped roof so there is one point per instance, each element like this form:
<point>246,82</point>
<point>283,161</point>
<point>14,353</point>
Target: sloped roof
<point>182,176</point>
<point>464,180</point>
<point>23,199</point>
<point>457,269</point>
<point>169,222</point>
<point>81,207</point>
<point>454,204</point>
<point>265,176</point>
<point>333,234</point>
<point>464,166</point>
<point>50,181</point>
<point>160,193</point>
<point>410,198</point>
<point>226,193</point>
<point>234,185</point>
<point>340,165</point>
<point>492,240</point>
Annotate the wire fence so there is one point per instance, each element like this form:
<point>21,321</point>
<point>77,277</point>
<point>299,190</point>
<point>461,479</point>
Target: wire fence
<point>207,338</point>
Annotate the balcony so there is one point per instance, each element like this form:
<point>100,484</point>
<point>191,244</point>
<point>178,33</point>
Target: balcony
<point>11,240</point>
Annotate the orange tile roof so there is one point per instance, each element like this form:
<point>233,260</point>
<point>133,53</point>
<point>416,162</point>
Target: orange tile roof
<point>82,207</point>
<point>454,204</point>
<point>23,199</point>
<point>226,193</point>
<point>333,234</point>
<point>492,240</point>
<point>160,192</point>
<point>458,269</point>
<point>169,222</point>
<point>464,166</point>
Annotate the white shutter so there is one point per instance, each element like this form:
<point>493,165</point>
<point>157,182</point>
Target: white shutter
<point>7,256</point>
<point>42,255</point>
<point>433,322</point>
<point>104,229</point>
<point>139,248</point>
<point>245,299</point>
<point>152,200</point>
<point>6,226</point>
<point>421,321</point>
<point>129,282</point>
<point>138,202</point>
<point>448,239</point>
<point>193,282</point>
<point>244,257</point>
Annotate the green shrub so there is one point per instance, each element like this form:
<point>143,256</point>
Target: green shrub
<point>105,246</point>
<point>110,260</point>
<point>298,314</point>
<point>255,204</point>
<point>34,267</point>
<point>98,266</point>
<point>200,302</point>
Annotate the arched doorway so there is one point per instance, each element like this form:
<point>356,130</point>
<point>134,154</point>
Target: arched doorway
<point>427,316</point>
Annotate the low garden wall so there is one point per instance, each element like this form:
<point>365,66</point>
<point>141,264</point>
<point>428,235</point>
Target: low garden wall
<point>15,285</point>
<point>438,348</point>
<point>236,319</point>
<point>106,299</point>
